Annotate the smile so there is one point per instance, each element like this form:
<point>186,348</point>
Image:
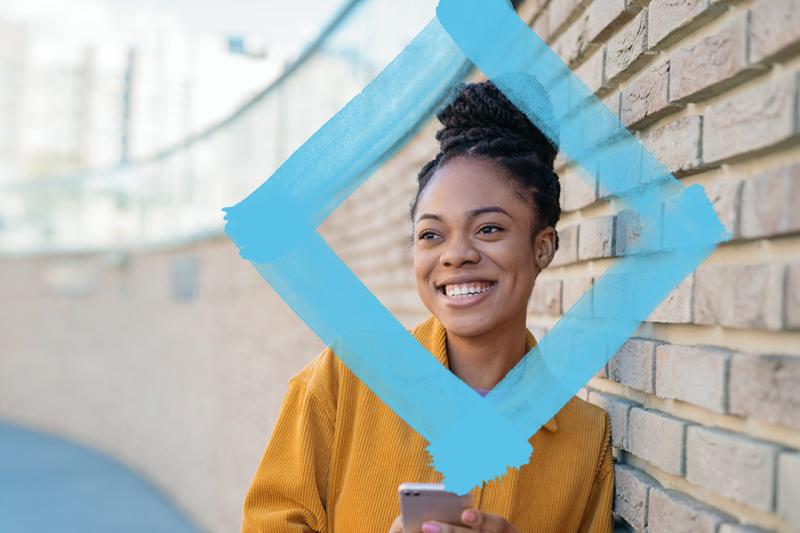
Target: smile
<point>466,294</point>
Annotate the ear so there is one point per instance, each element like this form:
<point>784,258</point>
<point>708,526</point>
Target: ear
<point>544,247</point>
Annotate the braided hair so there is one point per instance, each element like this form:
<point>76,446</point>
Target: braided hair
<point>481,122</point>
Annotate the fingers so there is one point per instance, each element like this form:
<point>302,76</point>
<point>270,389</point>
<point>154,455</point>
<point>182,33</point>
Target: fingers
<point>474,520</point>
<point>486,522</point>
<point>441,527</point>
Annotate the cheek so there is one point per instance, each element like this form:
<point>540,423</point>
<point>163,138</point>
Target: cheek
<point>421,265</point>
<point>516,257</point>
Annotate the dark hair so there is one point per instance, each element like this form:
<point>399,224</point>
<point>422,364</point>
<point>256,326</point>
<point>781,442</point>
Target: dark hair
<point>481,122</point>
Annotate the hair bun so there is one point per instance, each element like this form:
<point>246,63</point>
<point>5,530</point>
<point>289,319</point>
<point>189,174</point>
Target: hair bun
<point>480,121</point>
<point>481,110</point>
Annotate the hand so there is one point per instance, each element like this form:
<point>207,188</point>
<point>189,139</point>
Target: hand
<point>397,525</point>
<point>473,520</point>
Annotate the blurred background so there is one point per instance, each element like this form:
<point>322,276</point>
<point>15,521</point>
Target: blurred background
<point>139,376</point>
<point>129,122</point>
<point>143,362</point>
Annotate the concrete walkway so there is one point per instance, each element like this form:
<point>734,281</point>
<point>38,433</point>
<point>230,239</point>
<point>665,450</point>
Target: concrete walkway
<point>48,484</point>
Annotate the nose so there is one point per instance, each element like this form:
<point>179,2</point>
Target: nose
<point>458,250</point>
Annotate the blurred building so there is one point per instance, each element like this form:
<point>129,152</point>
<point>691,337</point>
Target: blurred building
<point>13,48</point>
<point>83,103</point>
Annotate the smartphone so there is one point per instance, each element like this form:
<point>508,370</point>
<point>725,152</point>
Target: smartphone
<point>420,502</point>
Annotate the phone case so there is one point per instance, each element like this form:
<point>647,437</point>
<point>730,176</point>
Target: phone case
<point>429,501</point>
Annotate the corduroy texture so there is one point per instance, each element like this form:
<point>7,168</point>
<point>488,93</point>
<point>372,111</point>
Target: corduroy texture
<point>338,453</point>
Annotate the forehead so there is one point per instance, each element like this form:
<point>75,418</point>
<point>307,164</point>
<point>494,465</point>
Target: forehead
<point>466,183</point>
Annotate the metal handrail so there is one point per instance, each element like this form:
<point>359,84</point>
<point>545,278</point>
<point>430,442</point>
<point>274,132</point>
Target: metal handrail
<point>61,180</point>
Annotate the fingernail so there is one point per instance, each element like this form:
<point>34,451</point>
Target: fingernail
<point>470,516</point>
<point>430,528</point>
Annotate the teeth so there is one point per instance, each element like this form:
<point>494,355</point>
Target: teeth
<point>466,289</point>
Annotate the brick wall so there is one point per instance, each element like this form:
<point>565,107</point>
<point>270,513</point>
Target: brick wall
<point>704,400</point>
<point>172,361</point>
<point>175,360</point>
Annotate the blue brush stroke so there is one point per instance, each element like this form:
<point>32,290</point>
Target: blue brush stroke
<point>678,238</point>
<point>345,151</point>
<point>274,228</point>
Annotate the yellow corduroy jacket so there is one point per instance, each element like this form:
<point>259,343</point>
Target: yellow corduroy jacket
<point>338,453</point>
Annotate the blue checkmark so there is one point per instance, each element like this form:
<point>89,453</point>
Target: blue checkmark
<point>471,439</point>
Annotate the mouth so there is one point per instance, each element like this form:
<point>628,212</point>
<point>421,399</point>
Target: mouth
<point>466,294</point>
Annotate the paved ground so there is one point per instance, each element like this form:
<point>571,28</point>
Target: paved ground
<point>48,484</point>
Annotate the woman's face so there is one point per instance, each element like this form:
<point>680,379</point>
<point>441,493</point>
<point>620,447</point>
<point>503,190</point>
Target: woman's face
<point>475,258</point>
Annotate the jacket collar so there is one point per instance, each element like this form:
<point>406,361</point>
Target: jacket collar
<point>433,336</point>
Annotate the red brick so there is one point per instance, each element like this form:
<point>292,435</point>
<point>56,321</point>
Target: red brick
<point>676,144</point>
<point>774,29</point>
<point>634,365</point>
<point>546,298</point>
<point>758,118</point>
<point>647,96</point>
<point>692,374</point>
<point>739,296</point>
<point>670,511</point>
<point>734,466</point>
<point>671,19</point>
<point>658,439</point>
<point>765,387</point>
<point>627,49</point>
<point>596,238</point>
<point>770,203</point>
<point>630,494</point>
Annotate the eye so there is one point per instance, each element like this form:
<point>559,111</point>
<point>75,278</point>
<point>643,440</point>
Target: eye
<point>489,228</point>
<point>426,236</point>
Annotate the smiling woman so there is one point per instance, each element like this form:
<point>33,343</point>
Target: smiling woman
<point>479,247</point>
<point>483,227</point>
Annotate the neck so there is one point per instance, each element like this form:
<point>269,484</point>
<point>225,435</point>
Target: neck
<point>483,361</point>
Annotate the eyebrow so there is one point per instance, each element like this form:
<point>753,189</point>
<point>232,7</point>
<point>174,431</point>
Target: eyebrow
<point>470,214</point>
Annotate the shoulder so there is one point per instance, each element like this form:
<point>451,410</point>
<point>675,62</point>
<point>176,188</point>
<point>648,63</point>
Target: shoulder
<point>589,427</point>
<point>578,415</point>
<point>320,377</point>
<point>319,367</point>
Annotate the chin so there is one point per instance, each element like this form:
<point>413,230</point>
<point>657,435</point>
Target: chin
<point>465,326</point>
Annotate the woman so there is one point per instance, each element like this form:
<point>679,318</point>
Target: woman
<point>484,227</point>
